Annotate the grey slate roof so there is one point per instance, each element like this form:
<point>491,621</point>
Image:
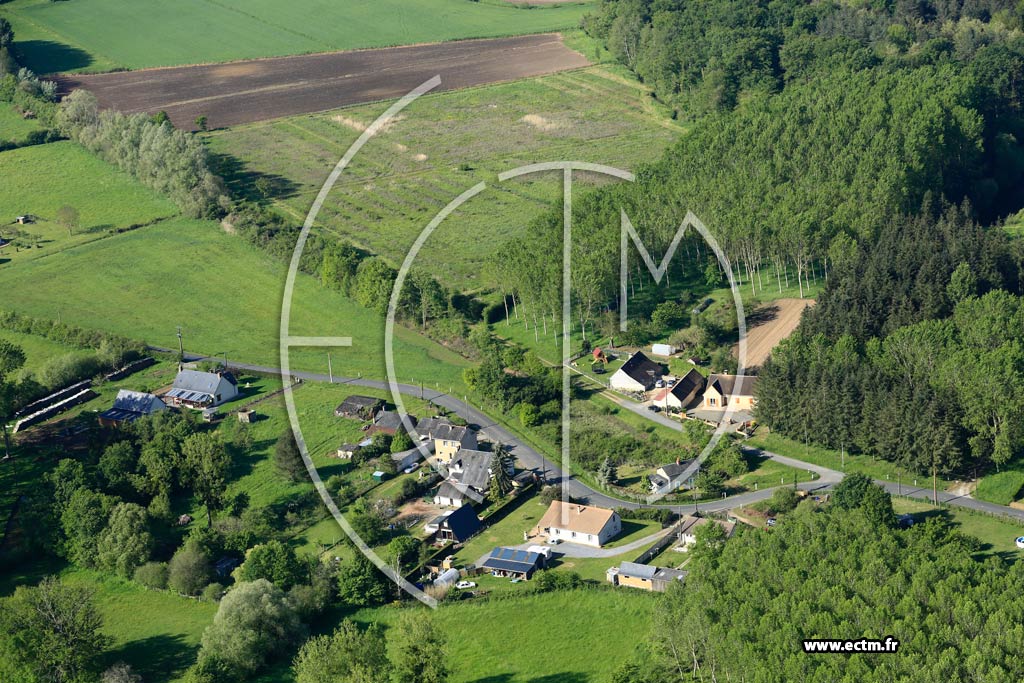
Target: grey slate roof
<point>733,385</point>
<point>450,432</point>
<point>390,419</point>
<point>131,405</point>
<point>472,468</point>
<point>358,405</point>
<point>642,369</point>
<point>640,571</point>
<point>462,523</point>
<point>428,425</point>
<point>450,491</point>
<point>193,385</point>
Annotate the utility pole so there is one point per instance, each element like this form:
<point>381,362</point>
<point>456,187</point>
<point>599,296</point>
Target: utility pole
<point>181,349</point>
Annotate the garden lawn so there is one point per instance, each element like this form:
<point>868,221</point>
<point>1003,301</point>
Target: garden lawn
<point>574,636</point>
<point>40,179</point>
<point>98,35</point>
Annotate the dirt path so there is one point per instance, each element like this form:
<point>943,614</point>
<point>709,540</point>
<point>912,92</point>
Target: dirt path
<point>261,89</point>
<point>770,324</point>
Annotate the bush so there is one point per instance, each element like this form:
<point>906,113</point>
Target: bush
<point>152,575</point>
<point>213,592</point>
<point>189,570</point>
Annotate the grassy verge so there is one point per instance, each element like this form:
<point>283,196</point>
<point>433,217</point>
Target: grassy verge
<point>1001,488</point>
<point>997,534</point>
<point>865,464</point>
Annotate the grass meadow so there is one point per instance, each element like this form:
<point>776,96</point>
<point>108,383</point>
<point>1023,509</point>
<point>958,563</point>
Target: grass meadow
<point>224,294</point>
<point>14,127</point>
<point>41,179</point>
<point>997,534</point>
<point>100,35</point>
<point>440,146</point>
<point>569,637</point>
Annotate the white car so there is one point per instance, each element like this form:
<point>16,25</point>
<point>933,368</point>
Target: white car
<point>412,468</point>
<point>1020,542</point>
<point>465,584</point>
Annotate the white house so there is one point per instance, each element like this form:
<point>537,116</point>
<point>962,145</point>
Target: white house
<point>637,374</point>
<point>687,532</point>
<point>582,524</point>
<point>682,393</point>
<point>200,390</point>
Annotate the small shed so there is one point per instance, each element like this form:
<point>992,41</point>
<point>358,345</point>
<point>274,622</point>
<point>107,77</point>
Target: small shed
<point>209,414</point>
<point>24,220</point>
<point>380,475</point>
<point>247,415</point>
<point>347,450</point>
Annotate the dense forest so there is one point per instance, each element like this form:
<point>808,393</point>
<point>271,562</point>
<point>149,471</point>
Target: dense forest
<point>843,571</point>
<point>809,157</point>
<point>875,147</point>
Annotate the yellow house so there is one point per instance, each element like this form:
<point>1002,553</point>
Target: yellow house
<point>725,391</point>
<point>450,439</point>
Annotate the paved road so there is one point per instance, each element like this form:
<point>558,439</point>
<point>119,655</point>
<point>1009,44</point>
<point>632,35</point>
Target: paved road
<point>530,459</point>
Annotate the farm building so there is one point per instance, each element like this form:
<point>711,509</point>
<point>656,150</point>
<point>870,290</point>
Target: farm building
<point>195,389</point>
<point>638,373</point>
<point>644,576</point>
<point>734,391</point>
<point>513,563</point>
<point>359,407</point>
<point>129,406</point>
<point>388,422</point>
<point>682,393</point>
<point>667,474</point>
<point>457,525</point>
<point>347,450</point>
<point>408,458</point>
<point>581,524</point>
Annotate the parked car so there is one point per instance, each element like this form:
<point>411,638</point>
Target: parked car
<point>465,584</point>
<point>412,468</point>
<point>553,541</point>
<point>654,409</point>
<point>770,521</point>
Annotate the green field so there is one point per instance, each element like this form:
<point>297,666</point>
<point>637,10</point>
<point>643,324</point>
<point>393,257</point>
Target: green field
<point>156,632</point>
<point>225,295</point>
<point>37,349</point>
<point>99,35</point>
<point>568,637</point>
<point>442,145</point>
<point>1001,488</point>
<point>14,127</point>
<point>39,180</point>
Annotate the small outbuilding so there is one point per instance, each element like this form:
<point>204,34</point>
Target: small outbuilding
<point>359,407</point>
<point>129,406</point>
<point>513,563</point>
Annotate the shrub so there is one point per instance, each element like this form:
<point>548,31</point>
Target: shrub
<point>152,575</point>
<point>213,592</point>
